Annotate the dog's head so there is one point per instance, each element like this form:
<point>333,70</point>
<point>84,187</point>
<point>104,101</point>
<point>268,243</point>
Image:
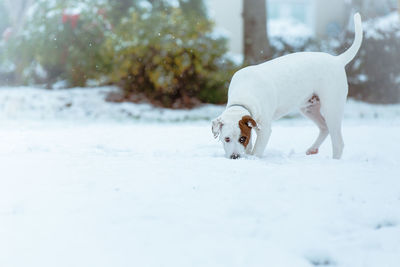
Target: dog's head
<point>235,134</point>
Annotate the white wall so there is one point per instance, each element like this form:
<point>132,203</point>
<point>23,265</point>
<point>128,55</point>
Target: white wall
<point>227,15</point>
<point>329,16</point>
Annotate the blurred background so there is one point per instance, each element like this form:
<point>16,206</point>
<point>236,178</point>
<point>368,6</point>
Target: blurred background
<point>182,53</point>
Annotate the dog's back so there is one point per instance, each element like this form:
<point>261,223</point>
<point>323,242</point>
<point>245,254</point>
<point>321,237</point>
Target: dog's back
<point>290,80</point>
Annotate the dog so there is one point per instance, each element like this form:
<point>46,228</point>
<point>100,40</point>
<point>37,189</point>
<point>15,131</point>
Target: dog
<point>313,82</point>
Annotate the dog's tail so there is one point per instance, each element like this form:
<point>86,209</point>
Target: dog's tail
<point>348,56</point>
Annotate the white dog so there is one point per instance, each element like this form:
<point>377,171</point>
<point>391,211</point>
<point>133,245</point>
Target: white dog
<point>316,83</point>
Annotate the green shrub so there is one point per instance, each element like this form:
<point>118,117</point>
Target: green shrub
<point>172,58</point>
<point>64,38</point>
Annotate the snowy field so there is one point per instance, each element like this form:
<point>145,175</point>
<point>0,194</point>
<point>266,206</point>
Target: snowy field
<point>87,183</point>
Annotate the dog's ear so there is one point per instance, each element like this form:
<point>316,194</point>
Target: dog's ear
<point>250,122</point>
<point>216,127</point>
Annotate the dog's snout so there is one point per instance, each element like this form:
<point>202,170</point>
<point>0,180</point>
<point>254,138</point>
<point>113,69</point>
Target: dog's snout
<point>235,156</point>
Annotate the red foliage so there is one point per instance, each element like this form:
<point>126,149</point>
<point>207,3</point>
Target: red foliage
<point>72,18</point>
<point>7,34</point>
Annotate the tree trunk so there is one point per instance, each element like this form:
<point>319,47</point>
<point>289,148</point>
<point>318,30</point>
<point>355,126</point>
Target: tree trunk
<point>256,46</point>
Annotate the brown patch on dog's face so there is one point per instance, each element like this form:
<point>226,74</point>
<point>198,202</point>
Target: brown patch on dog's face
<point>245,125</point>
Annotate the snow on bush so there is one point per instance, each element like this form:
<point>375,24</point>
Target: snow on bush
<point>290,32</point>
<point>289,36</point>
<point>374,75</point>
<point>63,38</point>
<point>379,28</point>
<point>166,51</point>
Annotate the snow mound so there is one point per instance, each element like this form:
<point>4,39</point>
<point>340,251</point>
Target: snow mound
<point>88,104</point>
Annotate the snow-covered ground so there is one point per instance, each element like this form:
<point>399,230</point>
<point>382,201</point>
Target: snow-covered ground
<point>87,183</point>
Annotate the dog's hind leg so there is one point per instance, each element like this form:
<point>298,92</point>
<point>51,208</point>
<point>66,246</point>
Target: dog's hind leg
<point>312,111</point>
<point>332,111</point>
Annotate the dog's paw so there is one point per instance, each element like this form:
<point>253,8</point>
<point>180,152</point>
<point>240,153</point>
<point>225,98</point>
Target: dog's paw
<point>312,151</point>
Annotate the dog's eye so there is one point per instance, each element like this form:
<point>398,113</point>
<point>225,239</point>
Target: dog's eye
<point>242,139</point>
<point>227,139</point>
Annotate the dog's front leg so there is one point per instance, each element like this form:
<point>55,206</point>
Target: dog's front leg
<point>249,148</point>
<point>262,140</point>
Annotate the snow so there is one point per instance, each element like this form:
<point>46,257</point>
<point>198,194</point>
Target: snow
<point>87,104</point>
<point>379,27</point>
<point>89,185</point>
<point>145,5</point>
<point>289,31</point>
<point>289,28</point>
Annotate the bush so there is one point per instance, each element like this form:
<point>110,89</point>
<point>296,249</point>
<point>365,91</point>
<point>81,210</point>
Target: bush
<point>161,51</point>
<point>288,36</point>
<point>61,40</point>
<point>170,58</point>
<point>374,76</point>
